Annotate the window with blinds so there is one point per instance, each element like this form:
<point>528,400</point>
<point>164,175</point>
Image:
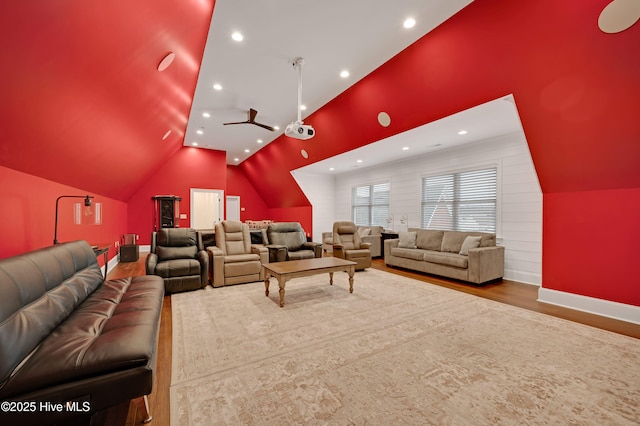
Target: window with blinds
<point>370,204</point>
<point>464,201</point>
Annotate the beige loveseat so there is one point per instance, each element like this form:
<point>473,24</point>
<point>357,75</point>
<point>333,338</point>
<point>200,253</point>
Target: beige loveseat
<point>467,256</point>
<point>368,234</point>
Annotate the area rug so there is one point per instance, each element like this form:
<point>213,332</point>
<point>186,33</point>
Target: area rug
<point>395,351</point>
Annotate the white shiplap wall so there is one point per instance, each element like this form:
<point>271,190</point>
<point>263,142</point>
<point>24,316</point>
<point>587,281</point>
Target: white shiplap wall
<point>520,212</point>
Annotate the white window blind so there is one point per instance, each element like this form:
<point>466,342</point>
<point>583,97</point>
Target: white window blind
<point>370,204</point>
<point>464,201</point>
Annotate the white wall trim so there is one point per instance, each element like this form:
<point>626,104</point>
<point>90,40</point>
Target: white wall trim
<point>605,308</point>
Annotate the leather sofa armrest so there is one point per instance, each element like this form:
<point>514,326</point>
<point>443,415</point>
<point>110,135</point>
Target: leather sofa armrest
<point>316,247</point>
<point>486,264</point>
<point>338,251</point>
<point>365,246</point>
<point>263,252</point>
<point>203,257</point>
<point>216,266</point>
<point>151,262</point>
<point>277,252</point>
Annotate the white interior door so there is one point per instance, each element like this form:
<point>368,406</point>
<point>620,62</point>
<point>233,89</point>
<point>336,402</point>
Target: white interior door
<point>207,206</point>
<point>233,207</point>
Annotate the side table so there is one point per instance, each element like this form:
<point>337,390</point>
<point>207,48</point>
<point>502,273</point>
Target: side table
<point>387,236</point>
<point>102,250</point>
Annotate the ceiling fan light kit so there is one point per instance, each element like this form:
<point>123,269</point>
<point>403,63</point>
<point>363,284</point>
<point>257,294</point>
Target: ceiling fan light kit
<point>252,120</point>
<point>297,129</point>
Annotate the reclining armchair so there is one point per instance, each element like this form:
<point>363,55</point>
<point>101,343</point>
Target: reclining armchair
<point>178,257</point>
<point>289,240</point>
<point>348,245</point>
<point>233,259</point>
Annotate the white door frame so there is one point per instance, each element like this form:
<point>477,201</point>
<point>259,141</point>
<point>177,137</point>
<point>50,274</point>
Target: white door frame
<point>220,199</point>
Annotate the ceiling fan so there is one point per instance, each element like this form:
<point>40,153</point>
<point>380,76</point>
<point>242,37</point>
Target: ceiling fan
<point>252,120</point>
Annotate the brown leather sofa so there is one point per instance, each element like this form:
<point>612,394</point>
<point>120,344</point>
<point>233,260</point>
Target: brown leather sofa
<point>69,337</point>
<point>178,256</point>
<point>289,240</point>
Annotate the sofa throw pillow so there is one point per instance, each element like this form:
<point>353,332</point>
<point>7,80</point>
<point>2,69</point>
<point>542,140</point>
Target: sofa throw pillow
<point>407,240</point>
<point>363,232</point>
<point>469,243</point>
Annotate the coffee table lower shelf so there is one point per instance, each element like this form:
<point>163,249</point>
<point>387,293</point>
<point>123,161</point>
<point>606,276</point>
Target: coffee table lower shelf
<point>284,271</point>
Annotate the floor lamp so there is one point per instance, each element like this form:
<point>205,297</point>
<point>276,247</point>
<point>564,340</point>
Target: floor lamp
<point>87,203</point>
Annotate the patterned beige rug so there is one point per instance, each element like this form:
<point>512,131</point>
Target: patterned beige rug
<point>396,351</point>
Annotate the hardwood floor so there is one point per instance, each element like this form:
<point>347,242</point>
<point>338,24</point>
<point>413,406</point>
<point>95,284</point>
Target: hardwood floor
<point>505,291</point>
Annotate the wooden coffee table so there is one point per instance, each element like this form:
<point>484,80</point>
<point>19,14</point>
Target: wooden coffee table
<point>284,271</point>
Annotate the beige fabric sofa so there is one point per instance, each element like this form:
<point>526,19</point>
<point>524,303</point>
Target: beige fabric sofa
<point>368,234</point>
<point>448,253</point>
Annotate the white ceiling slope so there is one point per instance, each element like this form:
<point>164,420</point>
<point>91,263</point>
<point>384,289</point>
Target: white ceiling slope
<point>331,35</point>
<point>482,122</point>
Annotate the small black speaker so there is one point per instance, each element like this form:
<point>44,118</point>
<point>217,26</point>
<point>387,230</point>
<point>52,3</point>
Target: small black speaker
<point>129,253</point>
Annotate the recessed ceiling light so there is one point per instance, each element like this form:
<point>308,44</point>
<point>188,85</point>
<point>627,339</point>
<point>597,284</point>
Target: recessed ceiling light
<point>276,127</point>
<point>166,135</point>
<point>194,143</point>
<point>247,151</point>
<point>303,107</point>
<point>409,23</point>
<point>217,87</point>
<point>236,159</point>
<point>200,131</point>
<point>344,73</point>
<point>166,61</point>
<point>359,161</point>
<point>332,168</point>
<point>237,36</point>
<point>462,132</point>
<point>206,115</point>
<point>259,140</point>
<point>405,148</point>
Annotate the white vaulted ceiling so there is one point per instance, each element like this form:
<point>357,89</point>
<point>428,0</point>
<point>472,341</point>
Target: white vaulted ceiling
<point>258,72</point>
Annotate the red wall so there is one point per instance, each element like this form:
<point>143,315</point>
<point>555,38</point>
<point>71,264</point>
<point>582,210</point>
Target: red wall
<point>188,168</point>
<point>577,92</point>
<point>250,200</point>
<point>593,233</point>
<point>27,215</point>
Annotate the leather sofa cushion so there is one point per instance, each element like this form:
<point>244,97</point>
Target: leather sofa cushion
<point>288,234</point>
<point>39,291</point>
<point>238,269</point>
<point>115,329</point>
<point>178,268</point>
<point>246,257</point>
<point>346,229</point>
<point>301,254</point>
<point>169,253</point>
<point>178,237</point>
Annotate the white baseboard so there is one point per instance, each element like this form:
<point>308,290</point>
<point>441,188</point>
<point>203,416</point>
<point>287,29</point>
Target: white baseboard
<point>605,308</point>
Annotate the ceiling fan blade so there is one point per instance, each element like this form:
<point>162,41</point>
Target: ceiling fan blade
<point>252,115</point>
<point>236,122</point>
<point>264,126</point>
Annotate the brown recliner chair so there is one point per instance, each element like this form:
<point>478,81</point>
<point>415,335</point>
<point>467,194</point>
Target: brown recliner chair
<point>177,255</point>
<point>289,240</point>
<point>233,259</point>
<point>348,245</point>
